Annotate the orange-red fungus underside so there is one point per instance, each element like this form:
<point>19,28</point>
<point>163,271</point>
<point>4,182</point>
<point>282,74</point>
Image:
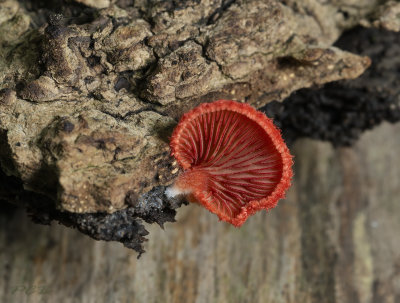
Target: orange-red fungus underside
<point>234,159</point>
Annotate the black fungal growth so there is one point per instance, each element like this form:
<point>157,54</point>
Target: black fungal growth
<point>125,226</point>
<point>339,112</point>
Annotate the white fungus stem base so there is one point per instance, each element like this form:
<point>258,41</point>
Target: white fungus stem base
<point>173,191</point>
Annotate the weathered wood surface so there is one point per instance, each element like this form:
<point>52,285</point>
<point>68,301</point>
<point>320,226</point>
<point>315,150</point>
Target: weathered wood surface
<point>334,239</point>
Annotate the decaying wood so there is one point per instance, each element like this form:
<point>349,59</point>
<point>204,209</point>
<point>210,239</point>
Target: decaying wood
<point>88,99</point>
<point>334,239</point>
<point>89,102</point>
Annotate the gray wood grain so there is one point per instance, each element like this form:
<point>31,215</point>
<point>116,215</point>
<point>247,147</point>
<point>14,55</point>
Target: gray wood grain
<point>334,239</point>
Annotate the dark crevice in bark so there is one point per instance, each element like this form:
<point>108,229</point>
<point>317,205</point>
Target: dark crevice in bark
<point>132,113</point>
<point>217,14</point>
<point>68,12</point>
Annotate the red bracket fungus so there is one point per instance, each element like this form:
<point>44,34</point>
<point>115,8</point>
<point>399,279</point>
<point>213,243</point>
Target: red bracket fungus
<point>234,159</point>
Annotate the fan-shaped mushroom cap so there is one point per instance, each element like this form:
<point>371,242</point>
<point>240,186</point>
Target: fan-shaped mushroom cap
<point>234,159</point>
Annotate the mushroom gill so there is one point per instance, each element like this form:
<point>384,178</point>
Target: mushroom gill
<point>234,159</point>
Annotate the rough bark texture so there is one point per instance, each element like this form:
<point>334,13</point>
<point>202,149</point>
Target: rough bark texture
<point>88,98</point>
<point>333,240</point>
